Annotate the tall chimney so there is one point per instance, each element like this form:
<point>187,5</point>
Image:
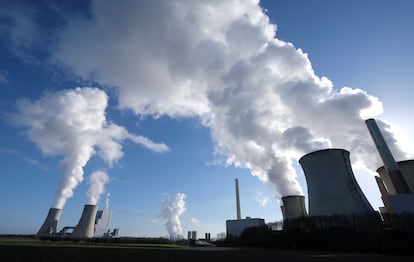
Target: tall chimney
<point>391,166</point>
<point>238,200</point>
<point>50,224</point>
<point>86,225</point>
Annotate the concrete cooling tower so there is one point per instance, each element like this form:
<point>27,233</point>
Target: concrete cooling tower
<point>86,225</point>
<point>49,226</point>
<point>407,170</point>
<point>332,188</point>
<point>293,207</point>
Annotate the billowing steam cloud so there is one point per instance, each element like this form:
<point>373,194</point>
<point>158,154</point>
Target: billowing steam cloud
<point>220,61</point>
<point>172,207</point>
<point>97,181</point>
<point>72,123</point>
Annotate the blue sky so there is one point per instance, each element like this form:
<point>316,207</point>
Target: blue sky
<point>201,104</point>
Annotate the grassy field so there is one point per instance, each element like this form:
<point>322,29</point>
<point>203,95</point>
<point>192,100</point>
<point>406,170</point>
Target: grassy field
<point>31,249</point>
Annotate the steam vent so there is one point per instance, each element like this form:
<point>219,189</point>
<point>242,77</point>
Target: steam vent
<point>332,188</point>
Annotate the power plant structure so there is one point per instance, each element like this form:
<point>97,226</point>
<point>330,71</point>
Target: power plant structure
<point>235,227</point>
<point>102,220</point>
<point>86,226</point>
<point>293,210</point>
<point>396,179</point>
<point>92,223</point>
<point>407,171</point>
<point>332,187</point>
<point>293,207</point>
<point>391,166</point>
<point>237,199</point>
<point>49,226</point>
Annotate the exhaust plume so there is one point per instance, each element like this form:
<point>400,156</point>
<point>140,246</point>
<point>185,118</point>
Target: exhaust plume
<point>172,207</point>
<point>97,180</point>
<point>108,198</point>
<point>72,123</point>
<point>221,61</point>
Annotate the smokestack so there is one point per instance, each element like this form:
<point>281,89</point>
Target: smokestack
<point>392,167</point>
<point>332,187</point>
<point>86,225</point>
<point>238,200</point>
<point>293,207</point>
<point>50,224</point>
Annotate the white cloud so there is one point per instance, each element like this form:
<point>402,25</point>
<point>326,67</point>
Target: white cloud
<point>97,182</point>
<point>195,221</point>
<point>220,61</point>
<point>172,207</point>
<point>263,199</point>
<point>72,123</point>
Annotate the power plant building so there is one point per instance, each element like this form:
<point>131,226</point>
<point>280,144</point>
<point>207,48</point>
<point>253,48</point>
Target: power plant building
<point>332,187</point>
<point>393,170</point>
<point>236,227</point>
<point>49,226</point>
<point>407,171</point>
<point>102,220</point>
<point>86,225</point>
<point>398,177</point>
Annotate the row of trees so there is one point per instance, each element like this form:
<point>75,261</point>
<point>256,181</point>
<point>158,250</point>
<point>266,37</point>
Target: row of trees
<point>341,233</point>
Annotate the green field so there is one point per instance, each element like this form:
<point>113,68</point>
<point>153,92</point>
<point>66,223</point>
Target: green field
<point>31,249</point>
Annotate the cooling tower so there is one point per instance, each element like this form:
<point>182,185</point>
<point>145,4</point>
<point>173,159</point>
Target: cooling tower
<point>293,207</point>
<point>332,188</point>
<point>407,170</point>
<point>86,225</point>
<point>50,225</point>
<point>394,172</point>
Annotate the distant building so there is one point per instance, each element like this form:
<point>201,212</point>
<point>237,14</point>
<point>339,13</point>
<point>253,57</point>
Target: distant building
<point>235,227</point>
<point>103,218</point>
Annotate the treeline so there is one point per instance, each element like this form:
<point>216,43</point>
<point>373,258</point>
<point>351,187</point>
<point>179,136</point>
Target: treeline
<point>336,233</point>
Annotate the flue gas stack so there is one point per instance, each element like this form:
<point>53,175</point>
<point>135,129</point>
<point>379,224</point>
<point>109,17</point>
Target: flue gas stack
<point>390,164</point>
<point>238,199</point>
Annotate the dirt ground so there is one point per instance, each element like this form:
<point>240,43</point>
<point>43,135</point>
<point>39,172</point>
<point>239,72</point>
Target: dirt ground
<point>211,254</point>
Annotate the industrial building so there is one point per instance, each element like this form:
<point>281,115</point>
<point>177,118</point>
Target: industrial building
<point>396,181</point>
<point>92,223</point>
<point>407,171</point>
<point>235,227</point>
<point>102,220</point>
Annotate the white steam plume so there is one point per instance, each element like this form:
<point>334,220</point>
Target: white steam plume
<point>172,207</point>
<point>72,123</point>
<point>221,61</point>
<point>107,200</point>
<point>97,181</point>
